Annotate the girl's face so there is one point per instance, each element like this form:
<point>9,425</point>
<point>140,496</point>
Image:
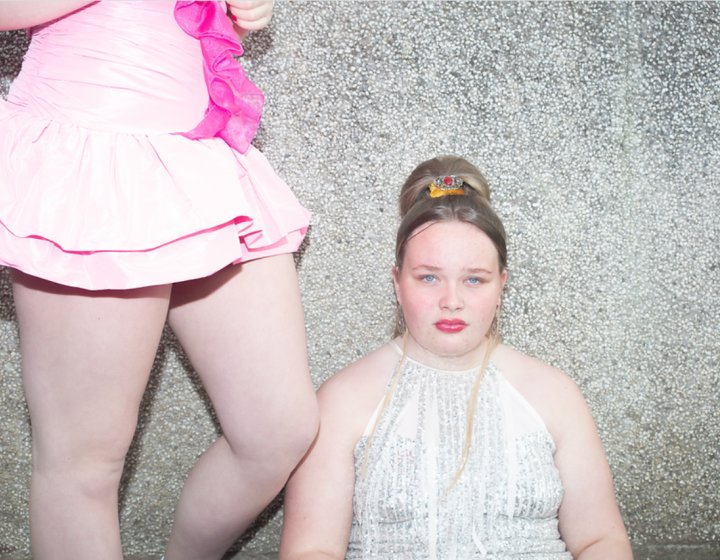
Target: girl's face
<point>449,288</point>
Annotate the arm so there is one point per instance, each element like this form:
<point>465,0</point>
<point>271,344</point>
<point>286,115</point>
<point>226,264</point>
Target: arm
<point>590,521</point>
<point>249,15</point>
<point>318,496</point>
<point>21,14</point>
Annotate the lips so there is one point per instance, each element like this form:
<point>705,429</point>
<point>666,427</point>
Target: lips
<point>450,325</point>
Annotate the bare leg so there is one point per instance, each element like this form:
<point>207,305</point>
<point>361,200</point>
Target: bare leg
<point>86,357</point>
<point>244,332</point>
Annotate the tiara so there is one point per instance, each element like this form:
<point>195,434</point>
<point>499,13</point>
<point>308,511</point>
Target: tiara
<point>446,185</point>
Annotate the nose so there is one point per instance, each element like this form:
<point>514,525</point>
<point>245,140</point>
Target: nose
<point>451,298</point>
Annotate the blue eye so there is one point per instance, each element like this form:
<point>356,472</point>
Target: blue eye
<point>428,278</point>
<point>474,280</point>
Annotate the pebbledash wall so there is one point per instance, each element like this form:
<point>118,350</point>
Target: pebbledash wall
<point>598,126</point>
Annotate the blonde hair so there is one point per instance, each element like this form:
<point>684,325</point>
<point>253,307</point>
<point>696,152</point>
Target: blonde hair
<point>417,208</point>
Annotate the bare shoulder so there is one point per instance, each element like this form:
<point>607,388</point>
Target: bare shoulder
<point>524,371</point>
<point>550,391</point>
<point>590,521</point>
<point>349,397</point>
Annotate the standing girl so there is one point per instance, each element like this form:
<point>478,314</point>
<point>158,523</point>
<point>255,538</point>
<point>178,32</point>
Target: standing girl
<point>130,195</point>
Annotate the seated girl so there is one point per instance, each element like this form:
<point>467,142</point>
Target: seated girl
<point>445,443</point>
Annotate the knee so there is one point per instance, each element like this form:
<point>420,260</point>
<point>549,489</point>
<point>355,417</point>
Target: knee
<point>295,430</point>
<point>93,469</point>
<point>92,478</point>
<point>280,437</point>
<point>304,429</point>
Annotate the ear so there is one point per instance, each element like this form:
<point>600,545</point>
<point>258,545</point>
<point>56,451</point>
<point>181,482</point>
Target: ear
<point>503,278</point>
<point>396,282</point>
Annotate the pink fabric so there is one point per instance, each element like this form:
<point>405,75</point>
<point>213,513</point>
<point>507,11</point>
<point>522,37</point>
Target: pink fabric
<point>99,187</point>
<point>235,103</point>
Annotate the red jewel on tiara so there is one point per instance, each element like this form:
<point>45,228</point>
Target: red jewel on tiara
<point>448,180</point>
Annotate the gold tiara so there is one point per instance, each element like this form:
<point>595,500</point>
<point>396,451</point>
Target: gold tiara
<point>446,185</point>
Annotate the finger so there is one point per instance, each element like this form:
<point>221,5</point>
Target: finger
<point>251,14</point>
<point>251,25</point>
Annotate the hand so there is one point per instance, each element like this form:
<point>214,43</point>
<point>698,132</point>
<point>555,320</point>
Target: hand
<point>249,15</point>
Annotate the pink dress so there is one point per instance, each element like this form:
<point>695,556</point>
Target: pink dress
<point>125,156</point>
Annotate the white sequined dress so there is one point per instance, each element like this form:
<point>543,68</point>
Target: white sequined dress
<point>505,504</point>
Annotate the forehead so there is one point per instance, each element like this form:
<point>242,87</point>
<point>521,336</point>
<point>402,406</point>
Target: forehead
<point>451,243</point>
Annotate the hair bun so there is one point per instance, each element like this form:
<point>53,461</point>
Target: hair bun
<point>429,180</point>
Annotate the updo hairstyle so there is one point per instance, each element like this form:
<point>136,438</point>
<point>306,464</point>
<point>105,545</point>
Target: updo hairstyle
<point>417,207</point>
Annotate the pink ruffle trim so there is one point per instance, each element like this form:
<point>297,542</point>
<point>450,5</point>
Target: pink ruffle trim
<point>235,103</point>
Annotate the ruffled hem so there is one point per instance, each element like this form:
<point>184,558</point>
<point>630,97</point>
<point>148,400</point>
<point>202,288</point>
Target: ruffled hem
<point>109,210</point>
<point>235,103</point>
<point>196,256</point>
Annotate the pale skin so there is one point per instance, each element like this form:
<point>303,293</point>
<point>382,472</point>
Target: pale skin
<point>247,15</point>
<point>86,358</point>
<point>438,281</point>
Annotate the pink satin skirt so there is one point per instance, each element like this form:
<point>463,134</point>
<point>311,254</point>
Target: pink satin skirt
<point>125,156</point>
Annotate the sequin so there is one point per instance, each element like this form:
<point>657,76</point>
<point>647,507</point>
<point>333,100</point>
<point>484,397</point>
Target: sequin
<point>504,504</point>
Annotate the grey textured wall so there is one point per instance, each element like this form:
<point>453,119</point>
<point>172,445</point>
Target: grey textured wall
<point>598,125</point>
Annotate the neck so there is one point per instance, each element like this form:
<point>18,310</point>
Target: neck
<point>449,362</point>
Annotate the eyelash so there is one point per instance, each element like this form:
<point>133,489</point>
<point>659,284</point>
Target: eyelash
<point>472,280</point>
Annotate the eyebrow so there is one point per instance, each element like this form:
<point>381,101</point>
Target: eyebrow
<point>431,268</point>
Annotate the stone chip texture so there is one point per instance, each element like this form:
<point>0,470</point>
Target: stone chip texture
<point>598,126</point>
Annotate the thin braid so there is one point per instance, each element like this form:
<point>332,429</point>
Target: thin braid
<point>386,402</point>
<point>493,342</point>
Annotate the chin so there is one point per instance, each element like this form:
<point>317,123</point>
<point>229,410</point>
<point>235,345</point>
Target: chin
<point>460,349</point>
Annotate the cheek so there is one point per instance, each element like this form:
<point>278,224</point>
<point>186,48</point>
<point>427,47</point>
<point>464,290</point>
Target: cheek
<point>484,304</point>
<point>405,292</point>
<point>415,304</point>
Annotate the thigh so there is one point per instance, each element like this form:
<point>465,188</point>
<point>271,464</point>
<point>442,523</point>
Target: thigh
<point>86,357</point>
<point>244,332</point>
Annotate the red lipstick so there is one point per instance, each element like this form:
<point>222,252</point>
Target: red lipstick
<point>450,325</point>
